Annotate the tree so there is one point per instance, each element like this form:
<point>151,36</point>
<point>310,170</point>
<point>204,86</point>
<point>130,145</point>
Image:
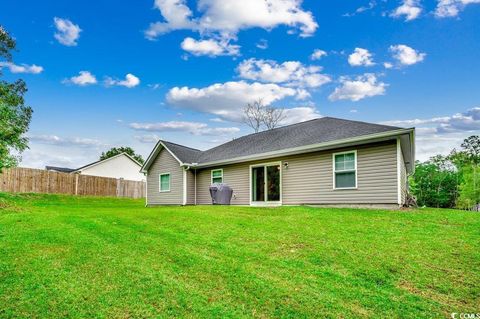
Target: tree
<point>471,147</point>
<point>15,116</point>
<point>469,192</point>
<point>119,150</point>
<point>253,115</point>
<point>435,182</point>
<point>258,115</point>
<point>467,161</point>
<point>273,117</point>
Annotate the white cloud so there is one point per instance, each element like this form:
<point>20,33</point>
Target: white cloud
<point>428,144</point>
<point>360,57</point>
<point>372,4</point>
<point>129,82</point>
<point>84,78</point>
<point>359,88</point>
<point>439,135</point>
<point>226,100</point>
<point>468,121</point>
<point>414,122</point>
<point>317,54</point>
<point>451,8</point>
<point>209,47</point>
<point>411,9</point>
<point>177,16</point>
<point>302,94</point>
<point>406,55</point>
<point>23,68</point>
<point>147,138</point>
<point>262,44</point>
<point>53,150</point>
<point>299,114</point>
<point>40,158</point>
<point>67,32</point>
<point>194,128</point>
<point>291,73</point>
<point>388,65</point>
<point>230,16</point>
<point>155,86</point>
<point>69,141</point>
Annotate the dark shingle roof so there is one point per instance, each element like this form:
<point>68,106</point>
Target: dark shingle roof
<point>184,153</point>
<point>311,132</point>
<point>59,169</point>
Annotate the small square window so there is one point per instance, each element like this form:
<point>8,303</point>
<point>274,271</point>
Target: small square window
<point>217,176</point>
<point>165,182</point>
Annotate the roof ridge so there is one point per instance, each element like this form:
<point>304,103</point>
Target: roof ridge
<point>109,158</point>
<point>194,149</point>
<point>362,122</point>
<point>268,131</point>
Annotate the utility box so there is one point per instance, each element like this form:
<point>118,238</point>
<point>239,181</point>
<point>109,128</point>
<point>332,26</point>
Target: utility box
<point>221,194</point>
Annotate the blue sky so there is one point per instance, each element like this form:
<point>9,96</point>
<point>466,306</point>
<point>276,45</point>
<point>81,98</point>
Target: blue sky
<point>109,73</point>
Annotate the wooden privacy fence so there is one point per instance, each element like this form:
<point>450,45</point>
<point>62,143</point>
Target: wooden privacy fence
<point>29,180</point>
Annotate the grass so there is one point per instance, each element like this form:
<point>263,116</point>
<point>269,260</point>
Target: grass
<point>76,257</point>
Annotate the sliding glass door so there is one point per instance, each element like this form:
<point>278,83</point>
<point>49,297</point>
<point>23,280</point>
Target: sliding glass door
<point>266,183</point>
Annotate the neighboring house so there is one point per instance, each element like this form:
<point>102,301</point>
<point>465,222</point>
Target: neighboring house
<point>59,169</point>
<point>325,161</point>
<point>118,166</point>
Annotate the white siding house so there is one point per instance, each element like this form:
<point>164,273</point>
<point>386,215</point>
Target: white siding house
<point>119,166</point>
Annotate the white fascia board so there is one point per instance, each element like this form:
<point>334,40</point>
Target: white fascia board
<point>412,145</point>
<point>154,154</point>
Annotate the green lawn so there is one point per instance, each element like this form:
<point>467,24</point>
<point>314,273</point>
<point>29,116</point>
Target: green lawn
<point>64,256</point>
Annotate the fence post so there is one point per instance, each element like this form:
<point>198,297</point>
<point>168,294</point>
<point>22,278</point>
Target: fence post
<point>118,187</point>
<point>48,181</point>
<point>76,184</point>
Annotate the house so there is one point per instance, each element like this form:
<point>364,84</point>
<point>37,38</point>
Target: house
<point>59,169</point>
<point>118,166</point>
<point>326,161</point>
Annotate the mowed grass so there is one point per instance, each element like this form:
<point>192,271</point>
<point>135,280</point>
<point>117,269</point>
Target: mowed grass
<point>81,257</point>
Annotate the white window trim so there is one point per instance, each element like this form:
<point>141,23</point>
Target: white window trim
<point>342,171</point>
<point>160,182</point>
<point>265,203</point>
<point>211,174</point>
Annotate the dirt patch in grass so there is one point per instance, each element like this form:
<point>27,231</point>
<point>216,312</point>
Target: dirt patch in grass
<point>9,207</point>
<point>430,293</point>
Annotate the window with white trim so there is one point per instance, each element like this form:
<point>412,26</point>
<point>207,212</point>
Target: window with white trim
<point>217,176</point>
<point>164,181</point>
<point>345,170</point>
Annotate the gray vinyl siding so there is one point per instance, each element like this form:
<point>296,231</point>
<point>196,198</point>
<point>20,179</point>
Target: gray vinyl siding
<point>309,178</point>
<point>165,163</point>
<point>190,187</point>
<point>237,176</point>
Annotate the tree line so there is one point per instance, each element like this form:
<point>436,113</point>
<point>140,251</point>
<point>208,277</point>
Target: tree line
<point>451,181</point>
